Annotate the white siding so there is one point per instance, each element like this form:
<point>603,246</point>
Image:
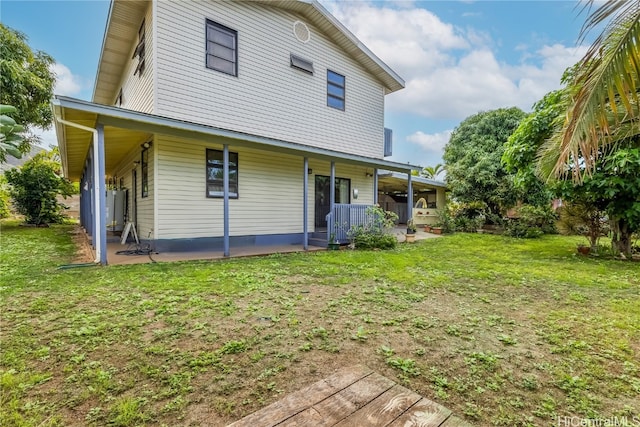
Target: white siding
<point>270,191</point>
<point>137,90</point>
<point>268,97</point>
<point>145,205</point>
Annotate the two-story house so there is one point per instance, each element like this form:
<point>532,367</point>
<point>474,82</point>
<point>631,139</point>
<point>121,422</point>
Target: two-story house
<point>227,123</point>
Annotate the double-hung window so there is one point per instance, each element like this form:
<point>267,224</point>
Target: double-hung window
<point>335,90</point>
<point>215,174</point>
<point>222,48</point>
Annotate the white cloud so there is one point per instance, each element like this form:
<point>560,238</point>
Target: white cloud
<point>67,83</point>
<point>451,72</point>
<point>430,142</point>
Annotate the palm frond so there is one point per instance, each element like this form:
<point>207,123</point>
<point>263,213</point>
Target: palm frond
<point>607,83</point>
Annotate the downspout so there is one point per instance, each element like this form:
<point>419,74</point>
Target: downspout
<point>96,179</point>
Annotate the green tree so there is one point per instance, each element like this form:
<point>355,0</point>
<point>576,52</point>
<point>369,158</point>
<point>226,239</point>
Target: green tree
<point>473,159</point>
<point>26,82</point>
<point>35,186</point>
<point>605,104</point>
<point>432,172</point>
<point>521,148</point>
<point>10,134</point>
<point>613,188</point>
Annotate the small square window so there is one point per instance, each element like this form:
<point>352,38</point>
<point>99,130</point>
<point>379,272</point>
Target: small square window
<point>335,90</point>
<point>222,48</point>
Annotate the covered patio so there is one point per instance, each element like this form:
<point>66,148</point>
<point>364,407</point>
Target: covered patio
<point>97,142</point>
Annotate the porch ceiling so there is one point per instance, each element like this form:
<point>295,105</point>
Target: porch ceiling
<point>75,143</point>
<point>398,183</point>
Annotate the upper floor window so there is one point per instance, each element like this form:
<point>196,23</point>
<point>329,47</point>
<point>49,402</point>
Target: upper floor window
<point>335,90</point>
<point>215,174</point>
<point>140,50</point>
<point>222,48</point>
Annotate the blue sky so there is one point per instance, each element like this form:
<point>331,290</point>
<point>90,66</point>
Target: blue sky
<point>457,57</point>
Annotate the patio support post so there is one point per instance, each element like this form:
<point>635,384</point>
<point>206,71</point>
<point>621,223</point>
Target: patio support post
<point>305,205</point>
<point>409,197</point>
<point>225,180</point>
<point>101,205</point>
<point>375,186</point>
<point>332,191</point>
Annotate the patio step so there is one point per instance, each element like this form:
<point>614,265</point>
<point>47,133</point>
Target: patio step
<point>314,241</point>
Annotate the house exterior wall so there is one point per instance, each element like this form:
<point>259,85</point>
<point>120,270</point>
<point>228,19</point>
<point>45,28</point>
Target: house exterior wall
<point>268,97</point>
<point>137,90</point>
<point>145,205</point>
<point>270,191</point>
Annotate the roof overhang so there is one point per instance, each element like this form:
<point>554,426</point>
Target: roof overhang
<point>141,124</point>
<point>121,31</point>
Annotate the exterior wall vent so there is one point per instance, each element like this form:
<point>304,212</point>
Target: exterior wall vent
<point>301,31</point>
<point>301,64</point>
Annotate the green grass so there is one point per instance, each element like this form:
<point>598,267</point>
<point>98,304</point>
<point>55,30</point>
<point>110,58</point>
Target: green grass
<point>501,331</point>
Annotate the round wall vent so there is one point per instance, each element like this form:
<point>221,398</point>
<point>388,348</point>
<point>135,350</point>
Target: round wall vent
<point>301,31</point>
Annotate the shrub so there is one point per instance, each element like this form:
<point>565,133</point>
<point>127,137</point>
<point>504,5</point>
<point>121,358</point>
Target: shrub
<point>531,222</point>
<point>585,219</point>
<point>469,217</point>
<point>446,220</point>
<point>4,198</point>
<point>35,186</point>
<point>374,234</point>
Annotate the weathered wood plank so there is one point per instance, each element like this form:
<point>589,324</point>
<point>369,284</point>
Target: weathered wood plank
<point>308,417</point>
<point>384,409</point>
<point>300,400</point>
<point>455,422</point>
<point>342,404</point>
<point>424,413</point>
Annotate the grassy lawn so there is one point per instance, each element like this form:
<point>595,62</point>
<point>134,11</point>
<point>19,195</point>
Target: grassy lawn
<point>501,331</point>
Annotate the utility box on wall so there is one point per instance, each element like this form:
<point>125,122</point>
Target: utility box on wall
<point>115,209</point>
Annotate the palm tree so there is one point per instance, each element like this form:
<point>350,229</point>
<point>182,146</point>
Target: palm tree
<point>432,172</point>
<point>604,104</point>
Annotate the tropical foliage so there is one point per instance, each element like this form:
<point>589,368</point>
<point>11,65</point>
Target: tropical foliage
<point>604,107</point>
<point>11,137</point>
<point>432,172</point>
<point>26,82</point>
<point>35,186</point>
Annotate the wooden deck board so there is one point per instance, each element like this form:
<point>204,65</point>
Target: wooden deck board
<point>347,401</point>
<point>299,401</point>
<point>424,413</point>
<point>383,409</point>
<point>354,396</point>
